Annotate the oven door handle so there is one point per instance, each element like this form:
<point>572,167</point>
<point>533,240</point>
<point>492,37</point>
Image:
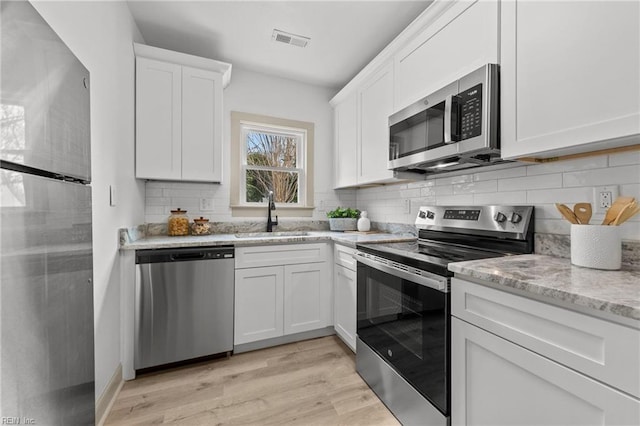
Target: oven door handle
<point>439,283</point>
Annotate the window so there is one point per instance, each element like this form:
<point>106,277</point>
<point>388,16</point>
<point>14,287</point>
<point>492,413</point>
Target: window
<point>271,154</point>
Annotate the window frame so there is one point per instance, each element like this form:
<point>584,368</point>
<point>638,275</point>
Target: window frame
<point>240,122</point>
<point>300,136</point>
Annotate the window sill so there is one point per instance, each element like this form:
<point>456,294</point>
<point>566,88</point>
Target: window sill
<point>261,211</point>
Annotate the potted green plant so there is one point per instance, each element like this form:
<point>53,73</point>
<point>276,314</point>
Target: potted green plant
<point>343,219</point>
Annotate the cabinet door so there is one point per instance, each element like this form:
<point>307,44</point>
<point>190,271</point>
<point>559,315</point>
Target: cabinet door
<point>258,304</point>
<point>201,125</point>
<point>376,105</point>
<point>569,75</point>
<point>158,120</point>
<point>495,382</point>
<point>345,140</point>
<point>344,305</point>
<point>306,297</point>
<point>462,39</point>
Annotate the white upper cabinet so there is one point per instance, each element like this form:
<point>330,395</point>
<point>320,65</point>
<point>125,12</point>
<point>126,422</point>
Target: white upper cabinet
<point>178,115</point>
<point>345,142</point>
<point>201,125</point>
<point>460,40</point>
<point>570,76</point>
<point>158,123</point>
<point>376,105</point>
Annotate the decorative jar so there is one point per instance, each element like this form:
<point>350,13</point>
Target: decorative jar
<point>178,223</point>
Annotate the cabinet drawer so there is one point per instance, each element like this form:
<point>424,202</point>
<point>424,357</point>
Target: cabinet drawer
<point>344,256</point>
<point>286,254</point>
<point>603,350</point>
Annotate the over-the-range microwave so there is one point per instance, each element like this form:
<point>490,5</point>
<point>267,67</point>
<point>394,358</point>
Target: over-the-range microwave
<point>453,128</point>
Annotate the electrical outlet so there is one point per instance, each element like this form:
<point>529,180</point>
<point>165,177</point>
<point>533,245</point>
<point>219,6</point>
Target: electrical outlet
<point>407,205</point>
<point>321,206</point>
<point>603,197</point>
<point>206,204</point>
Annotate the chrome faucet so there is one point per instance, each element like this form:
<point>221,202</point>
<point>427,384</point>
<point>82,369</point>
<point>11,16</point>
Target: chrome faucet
<point>272,206</point>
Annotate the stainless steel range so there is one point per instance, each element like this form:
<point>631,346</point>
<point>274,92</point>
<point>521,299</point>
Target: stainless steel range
<point>403,319</point>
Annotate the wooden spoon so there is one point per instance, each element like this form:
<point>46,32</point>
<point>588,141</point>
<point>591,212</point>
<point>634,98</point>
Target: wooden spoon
<point>616,208</point>
<point>627,213</point>
<point>583,212</point>
<point>567,213</point>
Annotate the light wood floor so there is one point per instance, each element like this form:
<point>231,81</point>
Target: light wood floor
<point>304,383</point>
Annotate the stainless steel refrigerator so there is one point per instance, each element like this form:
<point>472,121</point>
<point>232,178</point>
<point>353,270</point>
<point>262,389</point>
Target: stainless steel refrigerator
<point>46,292</point>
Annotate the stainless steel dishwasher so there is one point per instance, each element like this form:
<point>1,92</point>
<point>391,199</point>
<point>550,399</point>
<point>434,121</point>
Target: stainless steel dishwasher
<point>184,304</point>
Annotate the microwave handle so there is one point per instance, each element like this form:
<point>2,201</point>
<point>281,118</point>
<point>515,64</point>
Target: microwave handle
<point>448,109</point>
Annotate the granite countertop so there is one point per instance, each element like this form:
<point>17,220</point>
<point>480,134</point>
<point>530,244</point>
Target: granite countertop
<point>613,292</point>
<point>348,239</point>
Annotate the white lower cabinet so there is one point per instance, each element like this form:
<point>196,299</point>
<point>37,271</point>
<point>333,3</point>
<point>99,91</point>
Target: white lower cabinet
<point>275,301</point>
<point>344,303</point>
<point>344,294</point>
<point>495,381</point>
<point>306,288</point>
<point>259,304</point>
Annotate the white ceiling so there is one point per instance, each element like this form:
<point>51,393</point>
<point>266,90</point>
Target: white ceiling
<point>345,35</point>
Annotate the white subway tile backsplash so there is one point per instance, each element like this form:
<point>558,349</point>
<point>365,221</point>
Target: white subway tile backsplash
<point>475,187</point>
<point>442,181</point>
<point>530,182</point>
<point>624,158</point>
<point>605,176</point>
<point>560,195</point>
<point>508,197</point>
<point>455,200</point>
<point>428,192</point>
<point>513,170</point>
<point>568,165</point>
<point>443,190</point>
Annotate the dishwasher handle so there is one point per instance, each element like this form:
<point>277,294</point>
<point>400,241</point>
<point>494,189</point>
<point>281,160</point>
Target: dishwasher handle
<point>184,254</point>
<point>187,256</point>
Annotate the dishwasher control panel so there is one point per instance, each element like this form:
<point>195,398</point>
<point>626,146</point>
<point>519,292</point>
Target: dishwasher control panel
<point>184,254</point>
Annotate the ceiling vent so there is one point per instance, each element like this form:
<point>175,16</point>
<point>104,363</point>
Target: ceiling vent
<point>288,38</point>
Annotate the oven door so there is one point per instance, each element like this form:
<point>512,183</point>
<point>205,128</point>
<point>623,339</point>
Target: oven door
<point>406,322</point>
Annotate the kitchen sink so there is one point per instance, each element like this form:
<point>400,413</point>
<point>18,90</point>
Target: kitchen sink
<point>271,234</point>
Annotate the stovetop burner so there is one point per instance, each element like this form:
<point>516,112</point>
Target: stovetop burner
<point>456,234</point>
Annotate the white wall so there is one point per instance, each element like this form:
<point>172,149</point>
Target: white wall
<point>257,93</point>
<point>101,35</point>
<point>541,185</point>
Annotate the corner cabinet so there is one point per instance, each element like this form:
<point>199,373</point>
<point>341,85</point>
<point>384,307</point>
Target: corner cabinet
<point>178,115</point>
<point>569,76</point>
<point>519,361</point>
<point>281,290</point>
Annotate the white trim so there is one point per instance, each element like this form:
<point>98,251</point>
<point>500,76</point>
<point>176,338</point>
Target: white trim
<point>105,402</point>
<point>151,52</point>
<point>300,136</point>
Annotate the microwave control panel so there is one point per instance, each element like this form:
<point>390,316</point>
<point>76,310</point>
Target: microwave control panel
<point>470,102</point>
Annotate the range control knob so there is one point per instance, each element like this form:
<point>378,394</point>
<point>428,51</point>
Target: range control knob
<point>422,214</point>
<point>499,217</point>
<point>514,217</point>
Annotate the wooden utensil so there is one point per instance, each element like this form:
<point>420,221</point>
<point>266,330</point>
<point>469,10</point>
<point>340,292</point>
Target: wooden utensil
<point>616,208</point>
<point>627,213</point>
<point>567,213</point>
<point>583,212</point>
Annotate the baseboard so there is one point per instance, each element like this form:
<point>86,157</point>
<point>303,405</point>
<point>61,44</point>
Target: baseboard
<point>282,340</point>
<point>108,397</point>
